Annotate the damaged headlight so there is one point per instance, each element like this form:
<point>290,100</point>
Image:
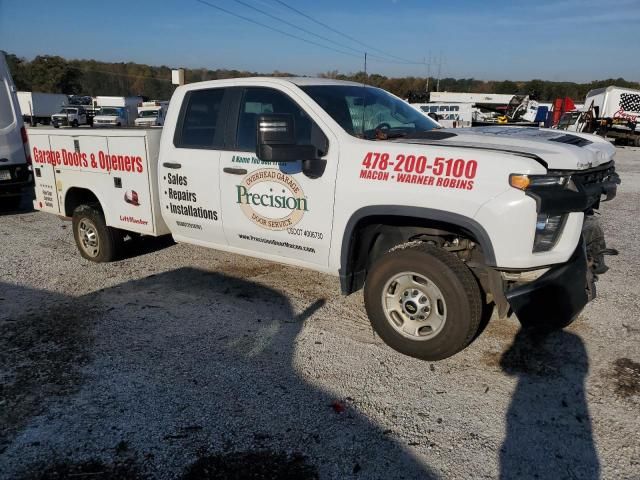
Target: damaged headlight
<point>548,230</point>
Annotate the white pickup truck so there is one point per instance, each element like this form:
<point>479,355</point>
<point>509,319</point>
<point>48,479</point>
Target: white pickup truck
<point>437,226</point>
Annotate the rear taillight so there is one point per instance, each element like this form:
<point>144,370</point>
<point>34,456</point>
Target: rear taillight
<point>25,144</point>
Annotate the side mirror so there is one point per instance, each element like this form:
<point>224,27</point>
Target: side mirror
<point>276,140</point>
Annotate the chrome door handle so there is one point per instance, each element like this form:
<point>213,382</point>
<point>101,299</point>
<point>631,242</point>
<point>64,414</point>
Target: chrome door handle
<point>171,165</point>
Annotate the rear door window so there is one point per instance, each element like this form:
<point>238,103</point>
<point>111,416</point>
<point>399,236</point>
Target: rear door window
<point>200,123</point>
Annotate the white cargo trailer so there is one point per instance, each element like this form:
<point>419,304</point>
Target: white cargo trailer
<point>475,98</point>
<point>37,107</point>
<point>449,115</point>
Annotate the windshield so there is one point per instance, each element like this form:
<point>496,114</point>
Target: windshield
<point>109,111</point>
<point>69,110</point>
<point>365,112</point>
<point>148,113</point>
<point>567,119</point>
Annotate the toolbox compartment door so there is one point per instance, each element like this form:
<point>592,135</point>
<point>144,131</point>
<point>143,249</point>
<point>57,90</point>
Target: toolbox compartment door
<point>44,175</point>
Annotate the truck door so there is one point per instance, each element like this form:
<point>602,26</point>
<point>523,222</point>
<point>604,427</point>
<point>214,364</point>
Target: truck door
<point>269,207</point>
<point>189,170</point>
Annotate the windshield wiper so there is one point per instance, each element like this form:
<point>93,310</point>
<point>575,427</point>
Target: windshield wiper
<point>382,135</point>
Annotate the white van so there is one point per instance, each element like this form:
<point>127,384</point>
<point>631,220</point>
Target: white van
<point>15,168</point>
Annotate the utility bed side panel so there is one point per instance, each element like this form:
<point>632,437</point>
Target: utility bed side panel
<point>114,165</point>
<point>43,173</point>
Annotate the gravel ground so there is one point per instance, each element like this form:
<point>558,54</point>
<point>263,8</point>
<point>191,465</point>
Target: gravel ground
<point>180,362</point>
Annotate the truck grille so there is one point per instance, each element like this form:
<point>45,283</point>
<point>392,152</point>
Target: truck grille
<point>601,174</point>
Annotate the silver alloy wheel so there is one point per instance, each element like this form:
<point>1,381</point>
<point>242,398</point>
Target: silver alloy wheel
<point>414,306</point>
<point>88,235</point>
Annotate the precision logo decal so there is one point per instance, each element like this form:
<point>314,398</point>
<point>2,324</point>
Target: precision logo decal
<point>271,199</point>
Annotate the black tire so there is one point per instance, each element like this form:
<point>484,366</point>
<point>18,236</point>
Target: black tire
<point>462,297</point>
<point>74,124</point>
<point>55,125</point>
<point>109,240</point>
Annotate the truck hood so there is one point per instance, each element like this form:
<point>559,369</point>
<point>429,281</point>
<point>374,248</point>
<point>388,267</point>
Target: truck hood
<point>556,149</point>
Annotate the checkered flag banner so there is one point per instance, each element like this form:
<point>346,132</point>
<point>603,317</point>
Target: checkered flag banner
<point>630,102</point>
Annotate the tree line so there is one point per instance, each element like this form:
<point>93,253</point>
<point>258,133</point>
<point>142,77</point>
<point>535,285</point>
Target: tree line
<point>47,73</point>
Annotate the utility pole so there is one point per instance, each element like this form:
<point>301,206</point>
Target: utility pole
<point>428,64</point>
<point>439,71</point>
<point>365,66</point>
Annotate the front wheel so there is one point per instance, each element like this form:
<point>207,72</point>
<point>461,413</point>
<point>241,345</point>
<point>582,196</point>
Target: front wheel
<point>95,240</point>
<point>423,301</point>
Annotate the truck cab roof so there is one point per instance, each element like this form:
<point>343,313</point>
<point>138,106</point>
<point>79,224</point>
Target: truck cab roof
<point>298,81</point>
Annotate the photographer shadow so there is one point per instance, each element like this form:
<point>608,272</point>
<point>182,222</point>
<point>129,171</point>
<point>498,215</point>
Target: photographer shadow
<point>198,369</point>
<point>548,432</point>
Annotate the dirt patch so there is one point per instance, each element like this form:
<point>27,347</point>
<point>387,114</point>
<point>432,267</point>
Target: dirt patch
<point>40,357</point>
<point>91,469</point>
<point>491,359</point>
<point>626,374</point>
<point>259,465</point>
<point>241,269</point>
<point>502,329</point>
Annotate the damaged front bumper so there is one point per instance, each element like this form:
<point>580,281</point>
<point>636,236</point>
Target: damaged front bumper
<point>560,294</point>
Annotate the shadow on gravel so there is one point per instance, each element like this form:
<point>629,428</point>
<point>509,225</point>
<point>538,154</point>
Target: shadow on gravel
<point>43,343</point>
<point>144,245</point>
<point>549,433</point>
<point>191,375</point>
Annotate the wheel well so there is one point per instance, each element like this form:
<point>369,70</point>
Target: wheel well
<point>372,236</point>
<point>78,196</point>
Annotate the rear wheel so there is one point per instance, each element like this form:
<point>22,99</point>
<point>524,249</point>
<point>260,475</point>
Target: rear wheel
<point>423,301</point>
<point>95,240</point>
<point>74,124</point>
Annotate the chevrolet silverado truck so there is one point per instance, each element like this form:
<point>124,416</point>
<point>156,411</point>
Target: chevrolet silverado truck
<point>439,227</point>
